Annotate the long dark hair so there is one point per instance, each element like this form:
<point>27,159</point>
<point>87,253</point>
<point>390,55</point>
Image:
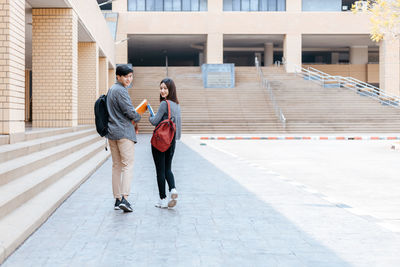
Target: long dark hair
<point>171,90</point>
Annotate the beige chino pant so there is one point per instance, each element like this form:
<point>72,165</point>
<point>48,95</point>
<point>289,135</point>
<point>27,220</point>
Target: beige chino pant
<point>122,153</point>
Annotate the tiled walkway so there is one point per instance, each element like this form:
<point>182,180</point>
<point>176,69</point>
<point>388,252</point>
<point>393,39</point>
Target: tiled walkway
<point>229,213</point>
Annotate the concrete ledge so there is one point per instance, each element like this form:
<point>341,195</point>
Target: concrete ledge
<point>4,139</point>
<point>15,228</point>
<point>15,194</point>
<point>37,133</point>
<point>40,133</point>
<point>301,138</point>
<point>16,137</point>
<point>13,151</point>
<point>2,253</point>
<point>18,167</point>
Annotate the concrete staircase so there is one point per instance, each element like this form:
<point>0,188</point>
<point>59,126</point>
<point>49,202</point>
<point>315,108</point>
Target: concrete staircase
<point>243,109</point>
<point>38,174</point>
<point>310,108</point>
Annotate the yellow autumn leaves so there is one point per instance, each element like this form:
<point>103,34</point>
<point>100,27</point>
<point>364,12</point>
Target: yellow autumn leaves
<point>385,17</point>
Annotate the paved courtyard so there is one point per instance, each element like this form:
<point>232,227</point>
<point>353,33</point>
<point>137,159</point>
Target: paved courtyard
<point>241,203</point>
<point>362,176</point>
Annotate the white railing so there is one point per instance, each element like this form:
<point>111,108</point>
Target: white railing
<point>267,85</point>
<point>360,87</point>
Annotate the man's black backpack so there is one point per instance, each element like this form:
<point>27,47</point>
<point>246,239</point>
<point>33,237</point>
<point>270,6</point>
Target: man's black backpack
<point>101,115</point>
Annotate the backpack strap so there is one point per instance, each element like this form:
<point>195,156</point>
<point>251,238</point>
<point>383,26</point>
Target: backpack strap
<point>169,110</point>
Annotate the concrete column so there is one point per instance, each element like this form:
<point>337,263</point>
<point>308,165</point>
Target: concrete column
<point>120,6</point>
<point>215,6</point>
<point>334,58</point>
<point>382,65</point>
<point>88,81</point>
<point>103,75</point>
<point>292,48</point>
<point>27,95</point>
<point>293,5</point>
<point>258,56</point>
<point>12,66</point>
<point>121,49</point>
<point>54,67</point>
<point>205,53</point>
<point>359,55</point>
<point>201,58</point>
<point>215,48</point>
<point>111,77</point>
<point>268,54</point>
<point>389,66</point>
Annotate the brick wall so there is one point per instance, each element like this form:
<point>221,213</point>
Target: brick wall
<point>88,82</point>
<point>111,77</point>
<point>12,66</point>
<point>54,68</point>
<point>103,75</point>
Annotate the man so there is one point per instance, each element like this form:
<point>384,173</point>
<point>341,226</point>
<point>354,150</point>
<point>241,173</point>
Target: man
<point>122,136</point>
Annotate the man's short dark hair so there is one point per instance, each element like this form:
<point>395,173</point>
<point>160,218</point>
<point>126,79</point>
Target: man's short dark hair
<point>123,70</point>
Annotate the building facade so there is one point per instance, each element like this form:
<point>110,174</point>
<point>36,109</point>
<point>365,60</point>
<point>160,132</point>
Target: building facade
<point>56,56</point>
<point>321,33</point>
<point>55,59</point>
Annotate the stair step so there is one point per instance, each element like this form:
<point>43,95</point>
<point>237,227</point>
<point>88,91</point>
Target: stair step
<point>12,151</point>
<point>18,167</point>
<point>302,102</point>
<point>20,190</point>
<point>23,221</point>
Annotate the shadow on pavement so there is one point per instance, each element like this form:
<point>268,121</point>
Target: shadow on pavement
<point>217,222</point>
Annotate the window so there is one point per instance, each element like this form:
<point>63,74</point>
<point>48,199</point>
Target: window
<point>254,5</point>
<point>167,5</point>
<point>104,6</point>
<point>322,5</point>
<point>112,19</point>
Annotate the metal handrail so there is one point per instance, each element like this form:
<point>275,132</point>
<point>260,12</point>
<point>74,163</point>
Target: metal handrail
<point>350,83</point>
<point>267,85</point>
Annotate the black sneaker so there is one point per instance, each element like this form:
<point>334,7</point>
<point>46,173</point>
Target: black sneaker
<point>125,205</point>
<point>116,205</point>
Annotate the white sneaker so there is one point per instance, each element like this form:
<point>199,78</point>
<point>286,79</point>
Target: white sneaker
<point>162,203</point>
<point>173,197</point>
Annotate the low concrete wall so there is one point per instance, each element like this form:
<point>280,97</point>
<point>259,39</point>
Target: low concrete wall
<point>363,72</point>
<point>373,73</point>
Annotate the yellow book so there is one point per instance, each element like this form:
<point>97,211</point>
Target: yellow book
<point>142,107</point>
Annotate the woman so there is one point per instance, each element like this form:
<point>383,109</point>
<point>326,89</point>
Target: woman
<point>163,160</point>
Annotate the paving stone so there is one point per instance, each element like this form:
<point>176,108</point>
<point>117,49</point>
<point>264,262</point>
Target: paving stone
<point>228,214</point>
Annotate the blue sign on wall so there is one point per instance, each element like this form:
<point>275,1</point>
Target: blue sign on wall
<point>218,75</point>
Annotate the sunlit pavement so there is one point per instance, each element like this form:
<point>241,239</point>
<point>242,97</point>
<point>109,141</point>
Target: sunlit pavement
<point>241,203</point>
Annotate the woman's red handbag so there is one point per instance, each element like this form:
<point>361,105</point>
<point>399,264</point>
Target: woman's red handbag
<point>164,133</point>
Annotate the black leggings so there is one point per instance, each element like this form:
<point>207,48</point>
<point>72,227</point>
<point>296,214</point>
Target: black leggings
<point>163,161</point>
